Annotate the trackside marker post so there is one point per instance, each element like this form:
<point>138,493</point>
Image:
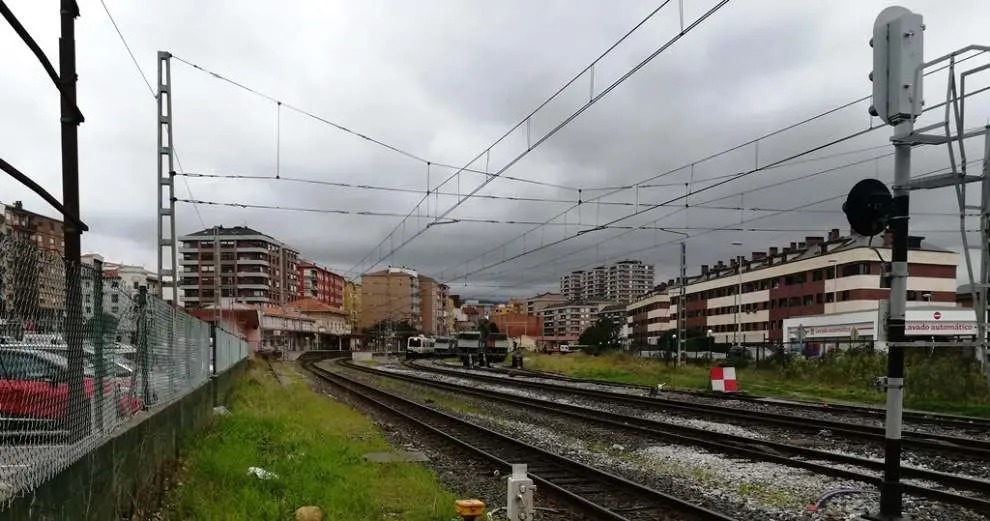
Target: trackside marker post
<point>724,379</point>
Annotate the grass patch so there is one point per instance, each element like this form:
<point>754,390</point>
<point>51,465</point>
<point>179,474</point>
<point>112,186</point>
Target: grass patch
<point>941,384</point>
<point>315,446</point>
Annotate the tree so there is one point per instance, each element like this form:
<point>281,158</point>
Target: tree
<point>601,336</point>
<point>105,324</point>
<point>492,327</point>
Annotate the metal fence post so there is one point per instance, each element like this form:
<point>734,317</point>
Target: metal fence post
<point>97,332</point>
<point>144,353</point>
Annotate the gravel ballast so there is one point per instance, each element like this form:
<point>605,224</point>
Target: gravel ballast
<point>822,440</point>
<point>763,491</point>
<point>768,405</point>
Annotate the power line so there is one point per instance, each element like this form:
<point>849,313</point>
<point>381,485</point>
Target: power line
<point>312,115</point>
<point>740,175</point>
<point>679,239</point>
<point>364,186</point>
<point>154,95</point>
<point>128,48</point>
<point>679,209</point>
<point>739,147</point>
<point>531,146</point>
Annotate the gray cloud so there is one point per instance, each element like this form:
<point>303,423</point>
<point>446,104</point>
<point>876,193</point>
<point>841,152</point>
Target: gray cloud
<point>443,79</point>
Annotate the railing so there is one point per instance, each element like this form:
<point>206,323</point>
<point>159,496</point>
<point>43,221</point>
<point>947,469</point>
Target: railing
<point>75,368</point>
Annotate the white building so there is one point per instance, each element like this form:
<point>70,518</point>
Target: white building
<point>922,322</point>
<point>121,283</point>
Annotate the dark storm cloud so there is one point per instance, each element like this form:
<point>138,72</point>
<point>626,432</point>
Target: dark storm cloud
<point>443,79</point>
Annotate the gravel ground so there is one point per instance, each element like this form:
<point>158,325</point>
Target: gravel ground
<point>823,440</point>
<point>763,491</point>
<point>767,406</point>
<point>460,471</point>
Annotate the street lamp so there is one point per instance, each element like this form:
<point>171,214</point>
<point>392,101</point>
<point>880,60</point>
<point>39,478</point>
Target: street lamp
<point>738,299</point>
<point>711,339</point>
<point>928,297</point>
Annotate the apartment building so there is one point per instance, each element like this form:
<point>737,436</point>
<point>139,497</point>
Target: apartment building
<point>321,284</point>
<point>649,317</point>
<point>747,300</point>
<point>32,274</point>
<point>237,263</point>
<point>352,303</point>
<point>120,286</point>
<point>433,303</point>
<point>570,319</point>
<point>536,305</point>
<point>391,294</point>
<point>621,282</point>
<point>121,283</point>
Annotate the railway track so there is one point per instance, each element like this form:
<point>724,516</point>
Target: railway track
<point>919,417</point>
<point>911,439</point>
<point>606,496</point>
<point>813,460</point>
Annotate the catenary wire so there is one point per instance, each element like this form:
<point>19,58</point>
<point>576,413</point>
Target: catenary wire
<point>594,99</point>
<point>348,130</point>
<point>727,151</point>
<point>627,232</point>
<point>364,186</point>
<point>154,95</point>
<point>703,189</point>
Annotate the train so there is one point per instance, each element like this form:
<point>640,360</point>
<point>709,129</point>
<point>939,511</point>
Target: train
<point>497,346</point>
<point>468,345</point>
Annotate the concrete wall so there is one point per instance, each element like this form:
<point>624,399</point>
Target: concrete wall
<point>127,472</point>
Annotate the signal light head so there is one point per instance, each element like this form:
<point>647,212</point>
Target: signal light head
<point>868,207</point>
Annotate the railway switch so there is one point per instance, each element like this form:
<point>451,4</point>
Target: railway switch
<point>469,509</point>
<point>519,498</point>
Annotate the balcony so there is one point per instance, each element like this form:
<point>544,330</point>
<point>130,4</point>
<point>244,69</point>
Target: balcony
<point>265,274</point>
<point>252,249</point>
<point>253,262</point>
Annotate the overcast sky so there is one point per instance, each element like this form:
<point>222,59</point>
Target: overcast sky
<point>441,81</point>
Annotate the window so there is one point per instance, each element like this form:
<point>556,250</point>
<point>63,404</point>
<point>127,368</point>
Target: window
<point>114,298</point>
<point>137,284</point>
<point>115,310</point>
<point>115,284</point>
<point>89,310</point>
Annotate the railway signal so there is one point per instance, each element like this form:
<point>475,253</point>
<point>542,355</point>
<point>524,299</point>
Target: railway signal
<point>898,59</point>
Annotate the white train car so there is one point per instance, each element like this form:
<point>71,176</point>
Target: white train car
<point>420,346</point>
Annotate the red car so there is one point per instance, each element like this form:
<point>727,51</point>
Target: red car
<point>34,388</point>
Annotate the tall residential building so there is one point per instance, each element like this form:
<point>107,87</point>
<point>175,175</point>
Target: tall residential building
<point>317,282</point>
<point>32,275</point>
<point>391,294</point>
<point>622,282</point>
<point>433,299</point>
<point>237,263</point>
<point>535,305</point>
<point>572,285</point>
<point>352,303</point>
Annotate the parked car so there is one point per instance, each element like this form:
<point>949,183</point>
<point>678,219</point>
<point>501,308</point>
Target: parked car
<point>34,388</point>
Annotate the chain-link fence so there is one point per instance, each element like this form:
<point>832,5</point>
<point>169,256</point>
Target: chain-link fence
<point>84,349</point>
